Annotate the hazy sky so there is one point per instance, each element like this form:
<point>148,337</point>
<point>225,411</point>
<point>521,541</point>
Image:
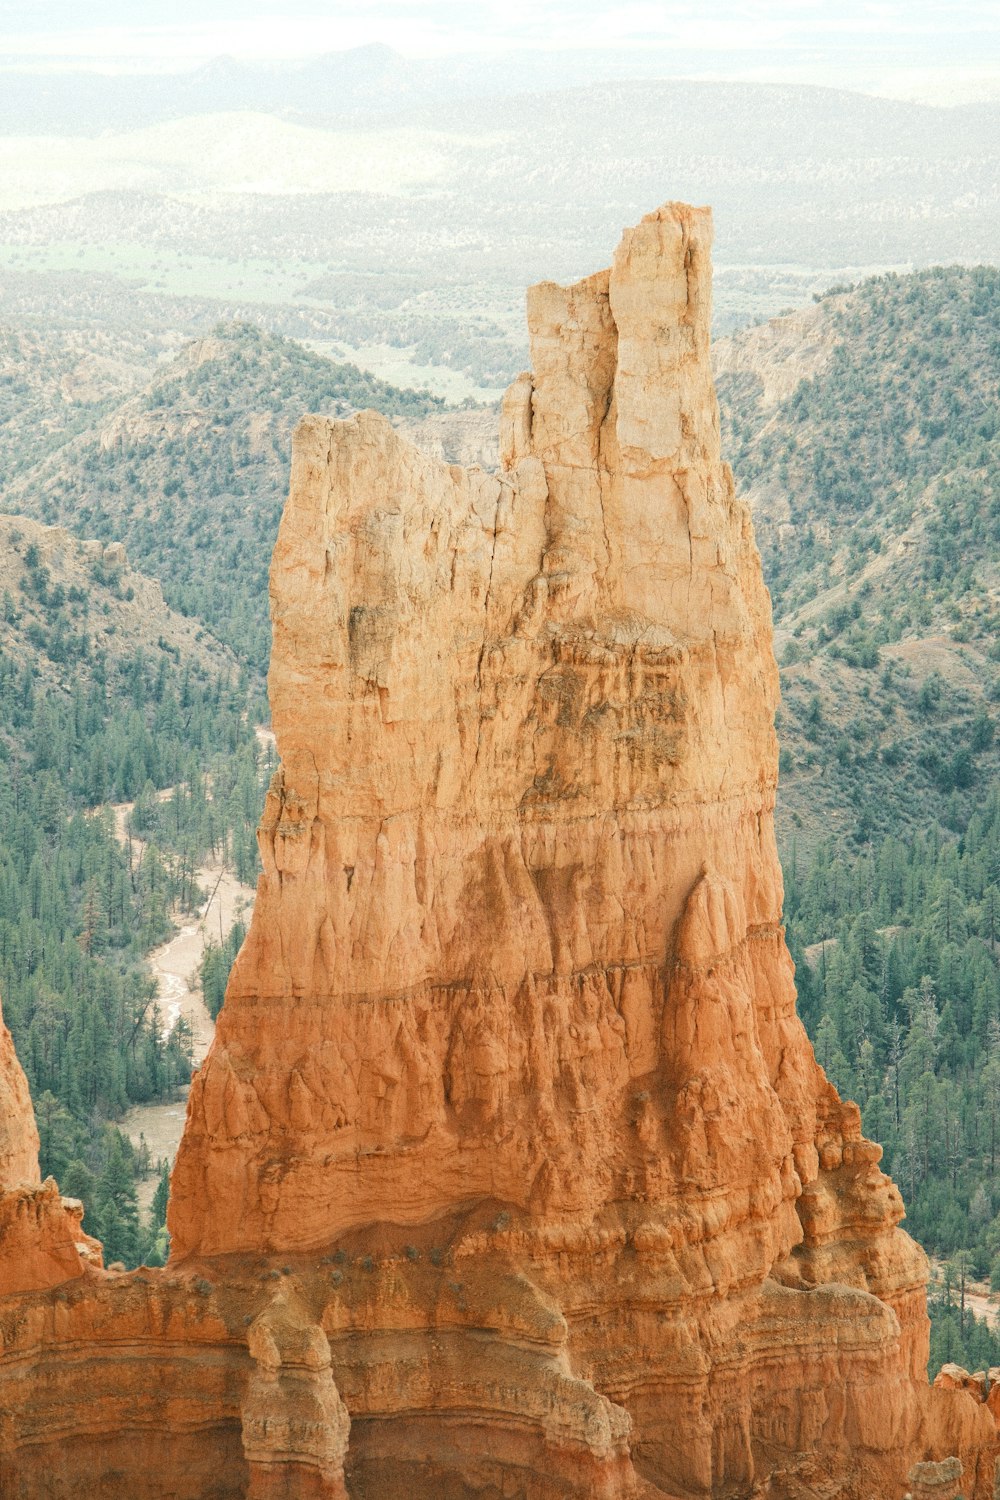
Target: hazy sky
<point>901,46</point>
<point>192,29</point>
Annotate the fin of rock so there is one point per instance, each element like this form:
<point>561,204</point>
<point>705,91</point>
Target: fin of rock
<point>511,1170</point>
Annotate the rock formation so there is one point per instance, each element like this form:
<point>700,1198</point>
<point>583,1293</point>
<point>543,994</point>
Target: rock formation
<point>42,1243</point>
<point>511,1171</point>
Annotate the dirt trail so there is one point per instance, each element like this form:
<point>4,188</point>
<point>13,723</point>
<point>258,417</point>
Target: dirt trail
<point>978,1297</point>
<point>983,1303</point>
<point>813,952</point>
<point>176,967</point>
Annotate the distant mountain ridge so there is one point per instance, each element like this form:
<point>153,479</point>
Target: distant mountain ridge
<point>274,210</point>
<point>83,103</point>
<point>375,81</point>
<point>372,81</point>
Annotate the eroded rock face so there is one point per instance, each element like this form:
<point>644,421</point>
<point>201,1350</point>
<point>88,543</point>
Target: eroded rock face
<point>518,940</point>
<point>526,731</point>
<point>42,1243</point>
<point>511,1171</point>
<point>18,1132</point>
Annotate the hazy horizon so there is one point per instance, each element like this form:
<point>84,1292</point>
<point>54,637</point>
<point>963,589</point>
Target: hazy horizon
<point>924,50</point>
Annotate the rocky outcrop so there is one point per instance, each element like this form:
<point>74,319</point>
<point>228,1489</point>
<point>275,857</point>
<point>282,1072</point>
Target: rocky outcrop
<point>42,1243</point>
<point>511,1170</point>
<point>295,1426</point>
<point>127,608</point>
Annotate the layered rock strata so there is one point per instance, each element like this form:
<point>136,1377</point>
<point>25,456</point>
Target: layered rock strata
<point>511,1171</point>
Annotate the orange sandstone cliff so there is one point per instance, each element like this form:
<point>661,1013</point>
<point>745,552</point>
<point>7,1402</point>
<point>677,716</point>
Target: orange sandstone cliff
<point>511,1172</point>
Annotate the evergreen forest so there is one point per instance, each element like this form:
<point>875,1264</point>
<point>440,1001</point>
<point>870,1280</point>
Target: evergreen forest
<point>81,907</point>
<point>897,954</point>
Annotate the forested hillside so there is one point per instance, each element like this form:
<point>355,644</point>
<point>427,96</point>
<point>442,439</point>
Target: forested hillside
<point>57,381</point>
<point>866,437</point>
<point>865,433</point>
<point>903,395</point>
<point>192,471</point>
<point>896,954</point>
<point>105,696</point>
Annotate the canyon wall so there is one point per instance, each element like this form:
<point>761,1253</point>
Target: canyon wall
<point>511,1172</point>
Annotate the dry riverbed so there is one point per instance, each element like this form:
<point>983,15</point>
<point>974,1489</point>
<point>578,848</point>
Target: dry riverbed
<point>176,966</point>
<point>978,1297</point>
